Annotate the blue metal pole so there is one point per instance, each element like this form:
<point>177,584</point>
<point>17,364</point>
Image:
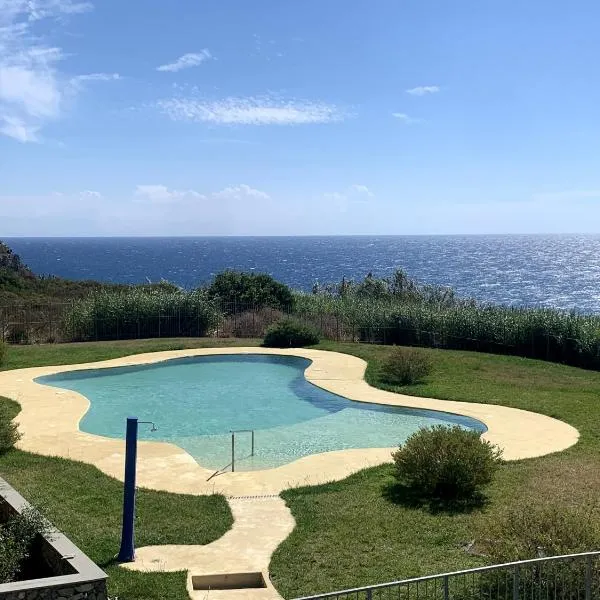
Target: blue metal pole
<point>127,551</point>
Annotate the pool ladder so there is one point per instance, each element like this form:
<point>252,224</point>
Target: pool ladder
<point>232,463</point>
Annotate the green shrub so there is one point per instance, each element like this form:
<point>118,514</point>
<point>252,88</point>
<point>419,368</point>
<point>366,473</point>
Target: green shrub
<point>289,333</point>
<point>530,529</point>
<point>446,464</point>
<point>16,540</point>
<point>9,434</point>
<point>3,352</point>
<point>406,366</point>
<point>246,290</point>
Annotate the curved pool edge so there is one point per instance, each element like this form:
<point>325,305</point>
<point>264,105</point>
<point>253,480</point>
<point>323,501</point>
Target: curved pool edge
<point>49,421</point>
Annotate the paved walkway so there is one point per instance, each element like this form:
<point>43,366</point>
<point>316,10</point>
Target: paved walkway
<point>49,422</point>
<point>260,525</point>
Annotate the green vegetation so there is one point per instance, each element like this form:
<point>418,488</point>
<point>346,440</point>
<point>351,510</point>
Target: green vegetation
<point>86,505</point>
<point>399,311</point>
<point>393,310</point>
<point>528,529</point>
<point>250,290</point>
<point>9,430</point>
<point>21,357</point>
<point>289,333</point>
<point>445,466</point>
<point>17,536</point>
<point>137,313</point>
<point>3,352</point>
<point>359,531</point>
<point>405,366</point>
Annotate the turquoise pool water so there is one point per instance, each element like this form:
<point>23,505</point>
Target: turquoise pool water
<point>195,403</point>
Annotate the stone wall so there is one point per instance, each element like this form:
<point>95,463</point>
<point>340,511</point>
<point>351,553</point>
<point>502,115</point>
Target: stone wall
<point>84,591</point>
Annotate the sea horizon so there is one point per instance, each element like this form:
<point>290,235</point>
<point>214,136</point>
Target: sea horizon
<point>536,270</point>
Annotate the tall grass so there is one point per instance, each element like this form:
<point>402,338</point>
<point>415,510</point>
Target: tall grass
<point>536,333</point>
<point>142,313</point>
<point>395,310</point>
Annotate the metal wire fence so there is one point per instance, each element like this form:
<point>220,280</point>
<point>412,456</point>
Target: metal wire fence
<point>53,322</point>
<point>570,577</point>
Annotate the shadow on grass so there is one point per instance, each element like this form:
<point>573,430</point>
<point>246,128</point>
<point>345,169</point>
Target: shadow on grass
<point>400,494</point>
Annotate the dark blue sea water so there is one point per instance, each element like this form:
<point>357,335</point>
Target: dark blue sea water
<point>534,270</point>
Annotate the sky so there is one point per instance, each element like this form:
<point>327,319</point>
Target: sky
<point>299,117</point>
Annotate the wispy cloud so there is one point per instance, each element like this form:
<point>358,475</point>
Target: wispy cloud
<point>187,61</point>
<point>42,9</point>
<point>161,193</point>
<point>404,118</point>
<point>90,194</point>
<point>361,190</point>
<point>31,88</point>
<point>252,110</point>
<point>239,192</point>
<point>356,193</point>
<point>97,77</point>
<point>423,90</point>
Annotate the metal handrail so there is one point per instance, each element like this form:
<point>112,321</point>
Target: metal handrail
<point>233,432</point>
<point>445,577</point>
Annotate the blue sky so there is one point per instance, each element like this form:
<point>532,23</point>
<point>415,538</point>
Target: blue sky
<point>283,117</point>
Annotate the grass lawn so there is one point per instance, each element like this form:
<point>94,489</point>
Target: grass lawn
<point>86,504</point>
<point>348,533</point>
<point>351,534</point>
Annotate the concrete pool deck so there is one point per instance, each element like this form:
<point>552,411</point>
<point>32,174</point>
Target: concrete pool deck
<point>49,421</point>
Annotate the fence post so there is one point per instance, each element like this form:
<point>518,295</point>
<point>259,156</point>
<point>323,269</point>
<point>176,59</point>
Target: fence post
<point>446,588</point>
<point>369,595</point>
<point>588,578</point>
<point>516,583</point>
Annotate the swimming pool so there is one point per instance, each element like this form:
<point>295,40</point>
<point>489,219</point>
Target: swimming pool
<point>197,401</point>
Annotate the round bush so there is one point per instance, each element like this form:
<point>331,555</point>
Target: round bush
<point>289,333</point>
<point>447,464</point>
<point>250,290</point>
<point>405,366</point>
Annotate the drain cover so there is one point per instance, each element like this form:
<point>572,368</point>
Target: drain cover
<point>228,581</point>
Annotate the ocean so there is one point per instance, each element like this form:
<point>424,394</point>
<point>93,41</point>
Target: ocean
<point>561,271</point>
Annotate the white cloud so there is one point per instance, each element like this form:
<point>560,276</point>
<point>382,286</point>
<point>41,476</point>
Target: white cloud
<point>239,192</point>
<point>42,9</point>
<point>353,194</point>
<point>161,193</point>
<point>90,194</point>
<point>32,89</point>
<point>17,129</point>
<point>192,59</point>
<point>404,118</point>
<point>362,190</point>
<point>253,110</point>
<point>423,90</point>
<point>97,77</point>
